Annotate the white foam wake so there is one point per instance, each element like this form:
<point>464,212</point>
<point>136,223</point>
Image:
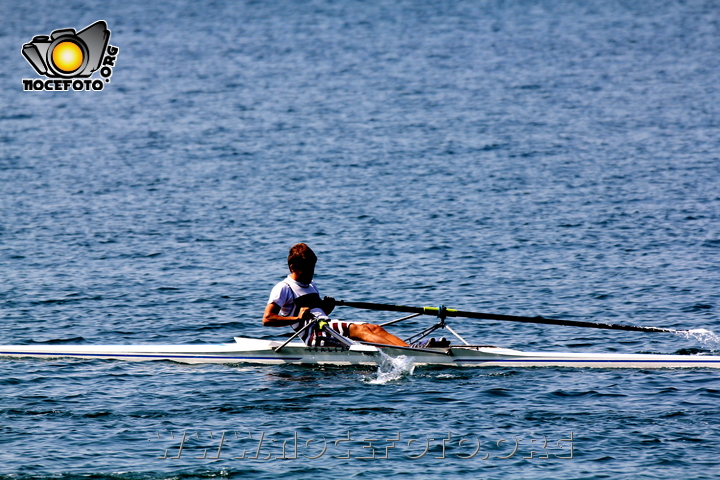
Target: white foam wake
<point>391,369</point>
<point>707,337</point>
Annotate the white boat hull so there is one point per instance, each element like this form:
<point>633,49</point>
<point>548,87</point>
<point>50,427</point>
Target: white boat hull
<point>254,351</point>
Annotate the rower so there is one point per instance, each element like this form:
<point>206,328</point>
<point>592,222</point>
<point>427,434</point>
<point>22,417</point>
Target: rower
<point>295,302</point>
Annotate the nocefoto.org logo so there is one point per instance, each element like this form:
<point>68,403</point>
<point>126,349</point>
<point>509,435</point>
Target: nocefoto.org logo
<point>67,59</point>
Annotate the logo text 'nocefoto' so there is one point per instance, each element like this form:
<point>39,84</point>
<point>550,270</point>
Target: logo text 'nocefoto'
<point>68,59</point>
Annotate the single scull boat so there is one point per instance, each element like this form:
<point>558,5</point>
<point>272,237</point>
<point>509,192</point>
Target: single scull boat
<point>255,351</point>
<point>349,352</point>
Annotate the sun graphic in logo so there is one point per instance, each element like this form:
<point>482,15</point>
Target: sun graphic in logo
<point>67,56</point>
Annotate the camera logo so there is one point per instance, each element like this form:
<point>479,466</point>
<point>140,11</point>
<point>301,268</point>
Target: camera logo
<point>67,56</point>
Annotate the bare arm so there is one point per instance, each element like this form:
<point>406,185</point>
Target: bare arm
<point>272,317</point>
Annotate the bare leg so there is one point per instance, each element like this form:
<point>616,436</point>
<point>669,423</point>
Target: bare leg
<point>371,333</point>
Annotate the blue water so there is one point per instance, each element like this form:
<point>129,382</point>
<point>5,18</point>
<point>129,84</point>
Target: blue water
<point>520,157</point>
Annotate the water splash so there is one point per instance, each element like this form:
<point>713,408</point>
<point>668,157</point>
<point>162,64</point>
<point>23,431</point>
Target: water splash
<point>391,369</point>
<point>707,337</point>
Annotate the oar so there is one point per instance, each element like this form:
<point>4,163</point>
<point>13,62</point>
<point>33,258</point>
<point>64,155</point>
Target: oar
<point>443,312</point>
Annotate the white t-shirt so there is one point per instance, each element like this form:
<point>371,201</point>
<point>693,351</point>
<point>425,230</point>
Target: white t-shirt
<point>285,293</point>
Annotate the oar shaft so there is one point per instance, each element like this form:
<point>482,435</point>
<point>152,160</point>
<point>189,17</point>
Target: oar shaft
<point>552,321</point>
<point>449,312</point>
<point>384,307</point>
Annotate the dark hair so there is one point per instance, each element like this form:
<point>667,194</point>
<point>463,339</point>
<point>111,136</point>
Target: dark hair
<point>301,256</point>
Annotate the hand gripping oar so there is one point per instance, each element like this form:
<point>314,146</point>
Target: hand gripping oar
<point>443,312</point>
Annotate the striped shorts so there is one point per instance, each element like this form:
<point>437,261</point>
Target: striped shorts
<point>318,338</point>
